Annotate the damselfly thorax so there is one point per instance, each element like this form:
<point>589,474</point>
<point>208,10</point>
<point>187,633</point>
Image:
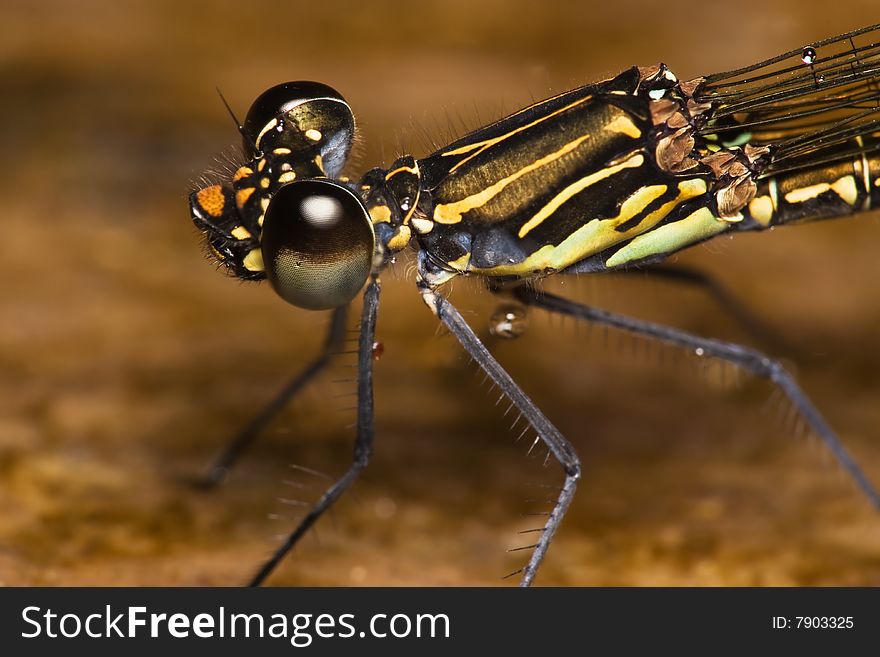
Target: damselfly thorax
<point>610,176</point>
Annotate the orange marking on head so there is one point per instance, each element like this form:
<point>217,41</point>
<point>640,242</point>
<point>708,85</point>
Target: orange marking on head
<point>242,196</point>
<point>243,172</point>
<point>212,200</point>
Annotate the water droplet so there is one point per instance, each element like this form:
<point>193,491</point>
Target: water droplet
<point>820,78</point>
<point>405,203</point>
<point>378,350</point>
<point>808,56</point>
<point>509,321</point>
<point>699,351</point>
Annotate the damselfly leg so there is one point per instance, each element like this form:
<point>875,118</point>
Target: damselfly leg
<point>748,359</point>
<point>736,309</point>
<point>242,440</point>
<point>559,446</point>
<point>363,445</point>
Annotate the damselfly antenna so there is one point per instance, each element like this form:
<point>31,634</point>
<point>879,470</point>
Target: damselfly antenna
<point>249,143</point>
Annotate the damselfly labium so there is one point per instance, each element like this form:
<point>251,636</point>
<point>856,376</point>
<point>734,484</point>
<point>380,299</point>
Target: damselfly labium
<point>613,176</point>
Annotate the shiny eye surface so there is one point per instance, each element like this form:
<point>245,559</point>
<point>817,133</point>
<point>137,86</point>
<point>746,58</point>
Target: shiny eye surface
<point>317,244</point>
<point>302,116</point>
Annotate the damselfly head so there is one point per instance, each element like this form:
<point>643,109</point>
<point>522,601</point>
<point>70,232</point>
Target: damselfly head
<point>307,118</point>
<point>317,244</point>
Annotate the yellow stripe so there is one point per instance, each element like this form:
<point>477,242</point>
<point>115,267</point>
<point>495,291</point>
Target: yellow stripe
<point>594,236</point>
<point>576,187</point>
<point>624,124</point>
<point>481,146</point>
<point>807,193</point>
<point>413,170</point>
<point>844,187</point>
<point>450,213</point>
<point>697,226</point>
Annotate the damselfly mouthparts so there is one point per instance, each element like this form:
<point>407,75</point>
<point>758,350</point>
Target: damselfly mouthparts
<point>616,175</point>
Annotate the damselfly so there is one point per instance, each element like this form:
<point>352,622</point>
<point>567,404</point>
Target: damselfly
<point>616,175</point>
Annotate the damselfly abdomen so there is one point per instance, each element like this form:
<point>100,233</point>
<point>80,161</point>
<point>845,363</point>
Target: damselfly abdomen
<point>616,175</point>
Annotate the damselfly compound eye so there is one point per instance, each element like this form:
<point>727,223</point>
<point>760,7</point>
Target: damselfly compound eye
<point>317,244</point>
<point>302,117</point>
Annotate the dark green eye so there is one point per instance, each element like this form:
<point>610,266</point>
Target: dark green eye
<point>302,116</point>
<point>317,244</point>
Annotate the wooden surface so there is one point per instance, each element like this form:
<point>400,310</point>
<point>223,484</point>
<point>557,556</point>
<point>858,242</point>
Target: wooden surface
<point>126,360</point>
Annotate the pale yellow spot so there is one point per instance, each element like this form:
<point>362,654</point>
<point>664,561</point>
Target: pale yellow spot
<point>282,151</point>
<point>242,196</point>
<point>846,189</point>
<point>261,166</point>
<point>577,187</point>
<point>761,209</point>
<point>264,204</point>
<point>265,182</point>
<point>696,227</point>
<point>624,124</point>
<point>319,162</point>
<point>241,233</point>
<point>380,214</point>
<point>211,200</point>
<point>401,239</point>
<point>253,261</point>
<point>450,213</point>
<point>242,172</point>
<point>287,176</point>
<point>314,135</point>
<point>422,226</point>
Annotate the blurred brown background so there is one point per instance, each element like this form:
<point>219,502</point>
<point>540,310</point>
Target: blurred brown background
<point>126,360</point>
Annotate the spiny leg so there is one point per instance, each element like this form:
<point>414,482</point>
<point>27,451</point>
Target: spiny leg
<point>555,441</point>
<point>248,433</point>
<point>744,357</point>
<point>363,442</point>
